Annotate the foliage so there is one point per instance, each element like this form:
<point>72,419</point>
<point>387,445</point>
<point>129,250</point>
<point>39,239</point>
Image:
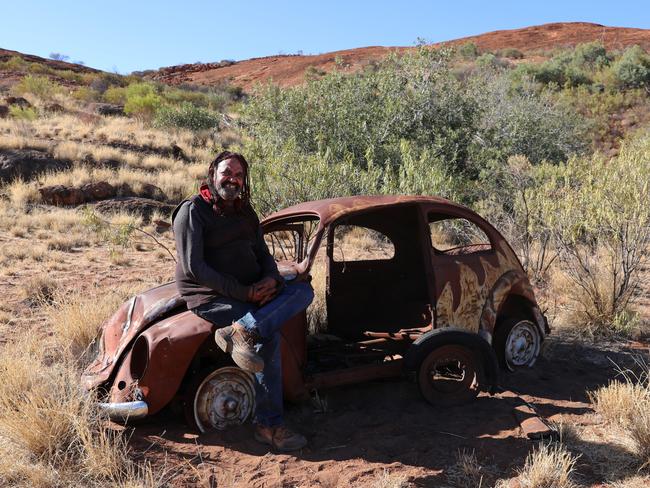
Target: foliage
<point>23,113</point>
<point>86,94</point>
<point>589,214</point>
<point>522,121</point>
<point>510,52</point>
<point>468,50</point>
<point>142,100</point>
<point>186,116</point>
<point>571,67</point>
<point>40,86</point>
<point>115,94</point>
<point>602,228</point>
<point>415,98</point>
<point>632,70</point>
<point>14,63</point>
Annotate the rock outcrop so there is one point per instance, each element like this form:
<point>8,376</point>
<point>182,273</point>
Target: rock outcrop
<point>27,163</point>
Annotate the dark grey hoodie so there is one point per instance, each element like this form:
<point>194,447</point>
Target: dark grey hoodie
<point>218,254</point>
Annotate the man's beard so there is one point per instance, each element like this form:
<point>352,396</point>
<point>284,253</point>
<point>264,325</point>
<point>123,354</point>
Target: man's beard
<point>229,191</point>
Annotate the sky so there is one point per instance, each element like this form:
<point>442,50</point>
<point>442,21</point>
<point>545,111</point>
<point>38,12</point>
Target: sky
<point>125,36</point>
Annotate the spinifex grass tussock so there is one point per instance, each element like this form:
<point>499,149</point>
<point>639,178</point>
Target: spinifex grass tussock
<point>467,472</point>
<point>626,404</point>
<point>76,319</point>
<point>21,193</point>
<point>386,479</point>
<point>548,466</point>
<point>51,432</point>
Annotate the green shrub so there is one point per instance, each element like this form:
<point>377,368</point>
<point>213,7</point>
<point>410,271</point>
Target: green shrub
<point>570,67</point>
<point>186,116</point>
<point>40,86</point>
<point>15,63</point>
<point>632,70</point>
<point>142,100</point>
<point>85,94</point>
<point>144,106</point>
<point>27,113</point>
<point>116,95</point>
<point>468,50</point>
<point>510,52</point>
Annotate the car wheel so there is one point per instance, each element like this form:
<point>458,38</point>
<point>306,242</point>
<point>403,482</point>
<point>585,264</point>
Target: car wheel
<point>225,397</point>
<point>450,375</point>
<point>517,343</point>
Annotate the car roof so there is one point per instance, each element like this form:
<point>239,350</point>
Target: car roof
<point>332,208</point>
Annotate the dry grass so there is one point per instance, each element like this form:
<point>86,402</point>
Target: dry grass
<point>627,406</point>
<point>632,482</point>
<point>51,433</point>
<point>548,466</point>
<point>39,290</point>
<point>317,311</point>
<point>388,480</point>
<point>467,472</point>
<point>21,193</point>
<point>76,319</point>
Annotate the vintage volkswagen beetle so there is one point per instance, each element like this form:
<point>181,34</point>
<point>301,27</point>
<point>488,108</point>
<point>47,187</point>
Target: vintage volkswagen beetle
<point>412,284</point>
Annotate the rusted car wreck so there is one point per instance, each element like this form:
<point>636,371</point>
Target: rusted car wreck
<point>434,290</point>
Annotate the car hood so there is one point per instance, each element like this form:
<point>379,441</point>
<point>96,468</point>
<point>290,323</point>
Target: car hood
<point>119,332</point>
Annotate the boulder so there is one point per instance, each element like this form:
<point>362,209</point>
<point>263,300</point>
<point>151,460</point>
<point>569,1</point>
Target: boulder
<point>20,101</point>
<point>178,154</point>
<point>107,109</point>
<point>61,195</point>
<point>4,111</point>
<point>100,190</point>
<point>135,205</point>
<point>54,108</point>
<point>146,190</point>
<point>27,163</point>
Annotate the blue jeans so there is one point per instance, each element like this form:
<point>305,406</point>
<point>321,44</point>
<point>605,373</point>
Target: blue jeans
<point>266,321</point>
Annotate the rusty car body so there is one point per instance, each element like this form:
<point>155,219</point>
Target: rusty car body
<point>430,298</point>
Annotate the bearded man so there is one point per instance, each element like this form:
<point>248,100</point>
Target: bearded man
<point>227,276</point>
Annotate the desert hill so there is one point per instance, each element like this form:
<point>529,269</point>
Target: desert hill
<point>288,70</point>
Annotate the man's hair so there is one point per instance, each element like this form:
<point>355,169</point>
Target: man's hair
<point>245,194</point>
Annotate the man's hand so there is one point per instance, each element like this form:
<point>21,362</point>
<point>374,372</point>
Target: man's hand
<point>263,291</point>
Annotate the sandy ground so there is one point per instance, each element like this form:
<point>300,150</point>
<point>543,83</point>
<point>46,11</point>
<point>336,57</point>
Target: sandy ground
<point>384,429</point>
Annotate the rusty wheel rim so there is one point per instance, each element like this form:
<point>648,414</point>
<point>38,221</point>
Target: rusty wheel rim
<point>225,397</point>
<point>522,345</point>
<point>450,375</point>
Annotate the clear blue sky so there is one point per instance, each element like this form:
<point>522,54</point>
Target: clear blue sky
<point>143,34</point>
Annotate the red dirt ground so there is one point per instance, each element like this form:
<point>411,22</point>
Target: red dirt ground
<point>289,70</point>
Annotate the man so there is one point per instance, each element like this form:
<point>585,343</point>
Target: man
<point>227,276</point>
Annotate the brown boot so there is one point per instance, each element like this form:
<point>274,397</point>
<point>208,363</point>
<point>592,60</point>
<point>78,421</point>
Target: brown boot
<point>280,438</point>
<point>239,343</point>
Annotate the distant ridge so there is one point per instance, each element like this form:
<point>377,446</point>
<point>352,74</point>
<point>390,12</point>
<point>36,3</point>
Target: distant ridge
<point>288,70</point>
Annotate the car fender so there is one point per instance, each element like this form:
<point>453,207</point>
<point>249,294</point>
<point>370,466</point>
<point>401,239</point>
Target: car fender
<point>172,343</point>
<point>433,339</point>
<point>510,283</point>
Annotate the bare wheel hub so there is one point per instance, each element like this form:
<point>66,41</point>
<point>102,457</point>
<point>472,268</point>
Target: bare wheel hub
<point>225,397</point>
<point>522,344</point>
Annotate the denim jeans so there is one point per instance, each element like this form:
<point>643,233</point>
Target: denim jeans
<point>266,321</point>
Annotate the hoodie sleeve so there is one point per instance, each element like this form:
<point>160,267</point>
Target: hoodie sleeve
<point>265,258</point>
<point>188,234</point>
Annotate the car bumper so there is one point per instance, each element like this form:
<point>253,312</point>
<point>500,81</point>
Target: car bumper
<point>121,412</point>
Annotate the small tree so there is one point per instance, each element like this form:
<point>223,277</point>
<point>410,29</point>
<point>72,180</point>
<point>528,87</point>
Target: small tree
<point>632,70</point>
<point>59,57</point>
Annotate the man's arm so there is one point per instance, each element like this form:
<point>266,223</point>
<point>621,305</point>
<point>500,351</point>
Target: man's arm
<point>188,234</point>
<point>265,258</point>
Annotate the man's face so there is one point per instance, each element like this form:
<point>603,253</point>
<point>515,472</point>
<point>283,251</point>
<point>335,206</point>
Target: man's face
<point>229,179</point>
